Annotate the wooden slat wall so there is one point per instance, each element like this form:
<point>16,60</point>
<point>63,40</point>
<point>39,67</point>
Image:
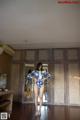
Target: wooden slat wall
<point>51,85</point>
<point>59,84</point>
<point>43,55</point>
<point>15,76</point>
<point>30,55</point>
<point>74,97</point>
<point>64,64</point>
<point>58,55</point>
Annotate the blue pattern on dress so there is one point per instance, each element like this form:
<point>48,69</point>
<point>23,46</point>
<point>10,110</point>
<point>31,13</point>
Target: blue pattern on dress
<point>35,74</point>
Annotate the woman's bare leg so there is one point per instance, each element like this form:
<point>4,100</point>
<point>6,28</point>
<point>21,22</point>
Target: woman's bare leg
<point>41,97</point>
<point>36,98</point>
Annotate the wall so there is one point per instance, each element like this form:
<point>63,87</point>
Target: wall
<point>5,65</point>
<point>64,64</point>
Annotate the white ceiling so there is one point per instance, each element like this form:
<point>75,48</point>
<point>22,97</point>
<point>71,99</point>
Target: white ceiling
<point>39,24</point>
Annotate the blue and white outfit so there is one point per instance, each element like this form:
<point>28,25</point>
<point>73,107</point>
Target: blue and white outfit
<point>39,76</point>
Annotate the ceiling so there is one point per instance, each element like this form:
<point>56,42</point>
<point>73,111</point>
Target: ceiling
<point>39,24</point>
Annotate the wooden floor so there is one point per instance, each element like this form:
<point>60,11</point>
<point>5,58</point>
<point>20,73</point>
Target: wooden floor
<point>26,112</point>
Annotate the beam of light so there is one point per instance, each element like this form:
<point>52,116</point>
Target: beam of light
<point>76,77</point>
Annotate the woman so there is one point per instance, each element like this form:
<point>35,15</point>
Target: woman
<point>39,87</point>
<point>39,76</point>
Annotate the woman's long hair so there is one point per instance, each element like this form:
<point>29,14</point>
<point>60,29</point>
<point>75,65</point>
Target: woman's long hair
<point>38,66</point>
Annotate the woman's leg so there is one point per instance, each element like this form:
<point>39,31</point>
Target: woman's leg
<point>36,97</point>
<point>41,97</point>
